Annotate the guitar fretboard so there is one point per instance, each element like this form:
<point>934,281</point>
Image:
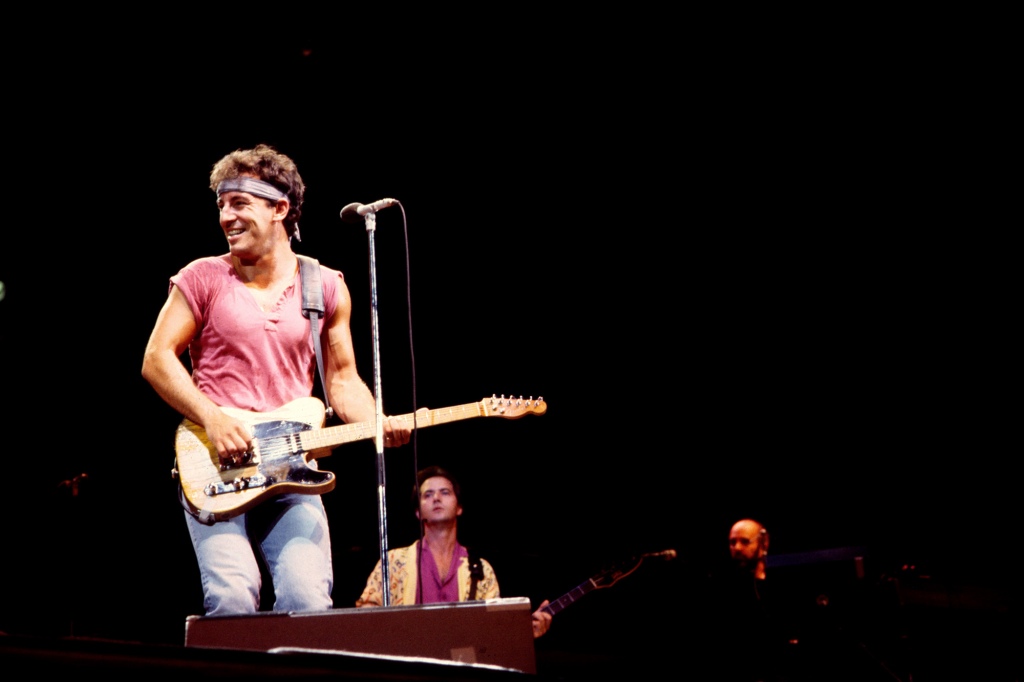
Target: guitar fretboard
<point>331,436</point>
<point>570,596</point>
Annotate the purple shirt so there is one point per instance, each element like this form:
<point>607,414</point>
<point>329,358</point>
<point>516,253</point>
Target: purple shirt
<point>436,589</point>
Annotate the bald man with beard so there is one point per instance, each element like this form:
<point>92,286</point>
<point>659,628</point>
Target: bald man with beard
<point>748,547</point>
<point>745,644</point>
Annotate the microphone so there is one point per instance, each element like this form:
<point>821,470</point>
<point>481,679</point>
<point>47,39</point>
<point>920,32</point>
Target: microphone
<point>664,554</point>
<point>354,211</point>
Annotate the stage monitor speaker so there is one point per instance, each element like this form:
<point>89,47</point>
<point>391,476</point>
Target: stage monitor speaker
<point>493,632</point>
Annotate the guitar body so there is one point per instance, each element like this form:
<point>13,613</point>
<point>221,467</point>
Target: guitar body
<point>215,493</point>
<point>284,442</point>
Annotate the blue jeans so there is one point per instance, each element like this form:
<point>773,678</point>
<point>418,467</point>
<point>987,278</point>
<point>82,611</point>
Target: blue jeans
<point>290,532</point>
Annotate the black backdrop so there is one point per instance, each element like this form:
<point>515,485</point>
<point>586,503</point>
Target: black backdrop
<point>744,284</point>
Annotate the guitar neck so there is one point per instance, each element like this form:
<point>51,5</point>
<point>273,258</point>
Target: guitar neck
<point>323,439</point>
<point>570,597</point>
<point>605,578</point>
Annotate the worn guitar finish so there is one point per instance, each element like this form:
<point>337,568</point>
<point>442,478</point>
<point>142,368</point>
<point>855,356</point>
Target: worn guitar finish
<point>285,441</point>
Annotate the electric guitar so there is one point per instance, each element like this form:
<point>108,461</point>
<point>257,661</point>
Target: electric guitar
<point>605,578</point>
<point>284,442</point>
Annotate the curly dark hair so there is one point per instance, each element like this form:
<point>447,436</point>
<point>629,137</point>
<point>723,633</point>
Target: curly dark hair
<point>269,165</point>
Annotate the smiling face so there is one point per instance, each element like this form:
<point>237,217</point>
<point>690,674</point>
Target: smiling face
<point>438,503</point>
<point>252,225</point>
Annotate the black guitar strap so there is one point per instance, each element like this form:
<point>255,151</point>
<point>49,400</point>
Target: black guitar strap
<point>476,572</point>
<point>313,310</point>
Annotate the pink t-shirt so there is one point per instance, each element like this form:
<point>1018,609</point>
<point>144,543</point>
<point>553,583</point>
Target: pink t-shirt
<point>243,356</point>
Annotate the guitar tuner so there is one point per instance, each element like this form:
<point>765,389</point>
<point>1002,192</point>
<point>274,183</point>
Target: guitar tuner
<point>518,401</point>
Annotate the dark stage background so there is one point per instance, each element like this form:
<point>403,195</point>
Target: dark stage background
<point>744,281</point>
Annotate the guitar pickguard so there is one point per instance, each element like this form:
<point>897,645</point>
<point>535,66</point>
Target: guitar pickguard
<point>278,457</point>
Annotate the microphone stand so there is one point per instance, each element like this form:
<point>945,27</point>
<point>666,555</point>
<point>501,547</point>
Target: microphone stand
<point>371,228</point>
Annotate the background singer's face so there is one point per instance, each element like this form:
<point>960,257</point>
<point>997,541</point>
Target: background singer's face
<point>438,501</point>
<point>745,542</point>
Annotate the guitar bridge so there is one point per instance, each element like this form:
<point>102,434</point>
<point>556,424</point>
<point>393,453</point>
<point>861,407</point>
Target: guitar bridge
<point>236,485</point>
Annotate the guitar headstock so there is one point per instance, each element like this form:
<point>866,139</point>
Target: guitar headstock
<point>614,574</point>
<point>512,408</point>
